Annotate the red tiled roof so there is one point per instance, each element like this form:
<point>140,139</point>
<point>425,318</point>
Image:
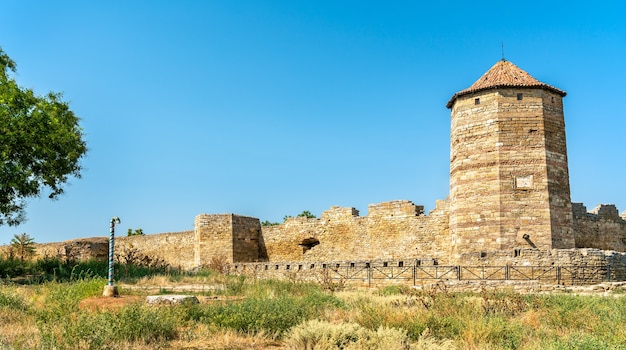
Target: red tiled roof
<point>504,74</point>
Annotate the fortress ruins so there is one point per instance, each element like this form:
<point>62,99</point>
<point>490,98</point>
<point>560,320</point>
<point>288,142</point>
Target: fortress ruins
<point>509,202</point>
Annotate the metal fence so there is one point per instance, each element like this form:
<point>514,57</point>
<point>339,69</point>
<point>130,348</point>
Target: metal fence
<point>375,272</point>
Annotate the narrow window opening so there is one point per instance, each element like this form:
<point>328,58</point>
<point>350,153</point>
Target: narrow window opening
<point>418,263</point>
<point>520,96</point>
<point>401,264</point>
<point>312,266</point>
<point>299,267</point>
<point>517,252</point>
<point>287,268</point>
<point>483,254</point>
<point>476,101</point>
<point>352,265</point>
<point>267,267</point>
<point>385,264</point>
<point>552,99</point>
<point>532,131</point>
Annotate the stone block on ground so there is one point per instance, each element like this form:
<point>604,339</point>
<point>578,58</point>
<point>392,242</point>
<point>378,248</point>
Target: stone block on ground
<point>171,299</point>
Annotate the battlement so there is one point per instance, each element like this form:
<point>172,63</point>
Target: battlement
<point>607,212</point>
<point>336,212</point>
<point>398,208</point>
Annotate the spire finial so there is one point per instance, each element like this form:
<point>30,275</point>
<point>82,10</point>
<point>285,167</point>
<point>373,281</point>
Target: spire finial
<point>503,59</point>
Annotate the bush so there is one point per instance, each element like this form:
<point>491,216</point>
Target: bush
<point>318,335</point>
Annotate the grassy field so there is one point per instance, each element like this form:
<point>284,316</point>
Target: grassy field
<point>64,310</point>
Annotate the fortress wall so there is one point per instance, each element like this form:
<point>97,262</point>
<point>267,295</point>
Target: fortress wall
<point>600,228</point>
<point>226,236</point>
<point>175,248</point>
<point>75,250</point>
<point>213,237</point>
<point>247,244</point>
<point>392,230</point>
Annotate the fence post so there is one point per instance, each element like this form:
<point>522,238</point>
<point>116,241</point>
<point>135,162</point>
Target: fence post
<point>458,272</point>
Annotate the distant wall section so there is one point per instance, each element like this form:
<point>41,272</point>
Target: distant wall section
<point>600,228</point>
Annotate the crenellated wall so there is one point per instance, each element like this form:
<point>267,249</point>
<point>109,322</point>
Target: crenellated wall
<point>601,228</point>
<point>391,230</point>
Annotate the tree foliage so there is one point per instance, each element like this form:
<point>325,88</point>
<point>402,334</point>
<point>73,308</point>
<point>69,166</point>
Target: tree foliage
<point>41,144</point>
<point>269,223</point>
<point>305,214</point>
<point>137,232</point>
<point>23,245</point>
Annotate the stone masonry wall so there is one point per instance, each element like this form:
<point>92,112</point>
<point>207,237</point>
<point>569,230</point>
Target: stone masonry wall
<point>392,230</point>
<point>226,236</point>
<point>509,183</point>
<point>601,228</point>
<point>175,248</point>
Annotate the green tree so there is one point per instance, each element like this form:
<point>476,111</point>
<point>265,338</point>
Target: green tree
<point>307,214</point>
<point>41,144</point>
<point>268,223</point>
<point>23,245</point>
<point>137,232</point>
<point>304,214</point>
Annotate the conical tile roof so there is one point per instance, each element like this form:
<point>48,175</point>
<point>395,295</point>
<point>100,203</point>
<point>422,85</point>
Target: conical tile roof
<point>504,74</point>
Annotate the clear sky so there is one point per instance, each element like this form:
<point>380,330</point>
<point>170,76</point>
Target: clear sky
<point>269,108</point>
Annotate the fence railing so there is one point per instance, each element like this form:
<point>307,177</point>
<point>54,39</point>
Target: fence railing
<point>374,272</point>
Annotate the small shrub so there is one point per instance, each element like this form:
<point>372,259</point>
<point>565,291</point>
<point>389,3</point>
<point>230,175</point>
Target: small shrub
<point>317,335</point>
<point>220,264</point>
<point>11,301</point>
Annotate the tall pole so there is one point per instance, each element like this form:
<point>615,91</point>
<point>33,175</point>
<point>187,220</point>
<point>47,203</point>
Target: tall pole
<point>114,220</point>
<point>110,290</point>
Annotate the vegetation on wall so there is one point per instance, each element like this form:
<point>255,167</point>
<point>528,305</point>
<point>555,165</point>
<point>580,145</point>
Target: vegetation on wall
<point>137,232</point>
<point>304,214</point>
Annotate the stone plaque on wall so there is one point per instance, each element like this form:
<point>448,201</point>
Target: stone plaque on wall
<point>524,182</point>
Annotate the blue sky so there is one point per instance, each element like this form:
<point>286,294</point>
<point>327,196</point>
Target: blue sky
<point>269,108</point>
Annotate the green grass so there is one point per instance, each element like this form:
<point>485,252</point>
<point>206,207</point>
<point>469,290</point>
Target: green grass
<point>47,314</point>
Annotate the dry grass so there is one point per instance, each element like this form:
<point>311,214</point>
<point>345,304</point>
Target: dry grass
<point>46,316</point>
<point>205,337</point>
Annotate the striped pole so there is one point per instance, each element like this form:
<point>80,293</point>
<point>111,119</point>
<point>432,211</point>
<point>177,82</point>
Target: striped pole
<point>114,220</point>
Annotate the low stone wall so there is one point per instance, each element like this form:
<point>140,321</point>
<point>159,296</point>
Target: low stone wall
<point>173,248</point>
<point>559,266</point>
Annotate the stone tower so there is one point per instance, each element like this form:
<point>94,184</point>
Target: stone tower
<point>509,181</point>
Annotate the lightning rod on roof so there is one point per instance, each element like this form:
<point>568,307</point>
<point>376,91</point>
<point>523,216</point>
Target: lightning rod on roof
<point>503,51</point>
